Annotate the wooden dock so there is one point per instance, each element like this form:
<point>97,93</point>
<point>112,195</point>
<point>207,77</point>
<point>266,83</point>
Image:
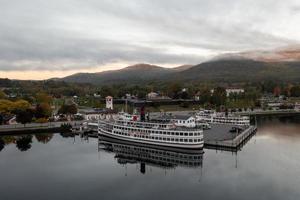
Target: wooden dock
<point>233,144</point>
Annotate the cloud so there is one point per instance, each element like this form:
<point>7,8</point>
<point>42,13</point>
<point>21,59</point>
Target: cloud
<point>68,35</point>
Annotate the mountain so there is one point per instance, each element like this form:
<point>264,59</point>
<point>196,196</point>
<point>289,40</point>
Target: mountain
<point>240,70</point>
<point>132,74</point>
<point>278,65</point>
<point>182,68</point>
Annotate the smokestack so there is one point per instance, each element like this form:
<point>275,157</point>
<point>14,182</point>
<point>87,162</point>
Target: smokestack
<point>143,113</point>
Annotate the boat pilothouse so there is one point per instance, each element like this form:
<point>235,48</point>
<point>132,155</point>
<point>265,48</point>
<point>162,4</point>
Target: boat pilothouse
<point>213,117</point>
<point>169,132</point>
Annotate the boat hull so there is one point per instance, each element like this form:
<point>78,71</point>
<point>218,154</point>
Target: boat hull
<point>162,144</point>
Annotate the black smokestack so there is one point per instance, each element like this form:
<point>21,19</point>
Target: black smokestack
<point>143,113</point>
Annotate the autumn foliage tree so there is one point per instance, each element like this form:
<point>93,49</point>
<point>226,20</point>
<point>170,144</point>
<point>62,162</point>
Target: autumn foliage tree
<point>43,107</point>
<point>43,110</point>
<point>277,91</point>
<point>68,109</point>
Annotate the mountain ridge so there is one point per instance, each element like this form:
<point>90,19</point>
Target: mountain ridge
<point>280,64</point>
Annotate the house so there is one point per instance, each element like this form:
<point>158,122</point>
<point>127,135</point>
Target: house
<point>152,95</point>
<point>6,119</point>
<point>178,120</point>
<point>231,91</point>
<point>184,120</point>
<point>234,91</point>
<point>197,96</point>
<point>96,114</point>
<point>97,95</point>
<point>156,96</point>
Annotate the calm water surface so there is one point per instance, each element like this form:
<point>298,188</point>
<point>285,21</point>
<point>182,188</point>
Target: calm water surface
<point>54,166</point>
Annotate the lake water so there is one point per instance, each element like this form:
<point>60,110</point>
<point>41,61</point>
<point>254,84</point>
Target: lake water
<point>55,166</point>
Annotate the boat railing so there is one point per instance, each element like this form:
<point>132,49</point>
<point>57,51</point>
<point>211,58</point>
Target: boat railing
<point>153,126</point>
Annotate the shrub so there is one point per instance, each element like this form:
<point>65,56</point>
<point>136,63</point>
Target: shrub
<point>41,120</point>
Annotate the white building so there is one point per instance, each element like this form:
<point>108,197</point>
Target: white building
<point>96,95</point>
<point>97,114</point>
<point>231,91</point>
<point>186,121</point>
<point>297,106</point>
<point>109,102</point>
<point>178,120</point>
<point>152,95</point>
<point>234,91</point>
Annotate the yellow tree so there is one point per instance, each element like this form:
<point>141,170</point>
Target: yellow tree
<point>2,94</point>
<point>5,106</point>
<point>43,98</point>
<point>21,105</point>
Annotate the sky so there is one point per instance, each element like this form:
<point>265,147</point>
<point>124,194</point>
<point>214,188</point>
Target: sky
<point>41,39</point>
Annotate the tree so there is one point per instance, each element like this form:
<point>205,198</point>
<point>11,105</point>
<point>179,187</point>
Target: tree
<point>21,105</point>
<point>107,91</point>
<point>43,110</point>
<point>219,96</point>
<point>295,91</point>
<point>205,96</point>
<point>174,89</point>
<point>277,91</point>
<point>2,144</point>
<point>68,109</point>
<point>1,119</point>
<point>43,98</point>
<point>24,116</point>
<point>5,106</point>
<point>2,94</point>
<point>43,137</point>
<point>24,142</point>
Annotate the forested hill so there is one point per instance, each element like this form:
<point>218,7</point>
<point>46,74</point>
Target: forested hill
<point>133,74</point>
<point>225,70</point>
<point>239,70</point>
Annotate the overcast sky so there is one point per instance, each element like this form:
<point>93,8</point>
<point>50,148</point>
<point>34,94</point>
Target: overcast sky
<point>46,38</point>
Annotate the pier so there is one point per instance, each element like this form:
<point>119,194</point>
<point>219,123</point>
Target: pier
<point>220,137</point>
<point>37,127</point>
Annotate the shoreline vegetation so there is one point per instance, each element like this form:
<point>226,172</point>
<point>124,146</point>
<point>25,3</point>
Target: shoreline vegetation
<point>48,101</point>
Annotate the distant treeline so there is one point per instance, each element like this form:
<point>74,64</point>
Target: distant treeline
<point>173,89</point>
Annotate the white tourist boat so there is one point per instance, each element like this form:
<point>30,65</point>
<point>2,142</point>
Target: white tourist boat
<point>179,133</point>
<point>213,117</point>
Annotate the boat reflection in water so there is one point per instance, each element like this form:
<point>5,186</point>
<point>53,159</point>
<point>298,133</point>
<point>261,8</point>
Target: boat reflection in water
<point>131,153</point>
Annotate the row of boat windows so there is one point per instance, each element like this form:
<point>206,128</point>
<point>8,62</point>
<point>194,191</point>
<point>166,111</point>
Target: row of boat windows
<point>160,153</point>
<point>142,124</point>
<point>230,122</point>
<point>158,138</point>
<point>185,121</point>
<point>162,132</point>
<point>170,160</point>
<point>145,125</point>
<point>230,119</point>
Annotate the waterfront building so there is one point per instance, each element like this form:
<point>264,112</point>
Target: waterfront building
<point>230,91</point>
<point>109,102</point>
